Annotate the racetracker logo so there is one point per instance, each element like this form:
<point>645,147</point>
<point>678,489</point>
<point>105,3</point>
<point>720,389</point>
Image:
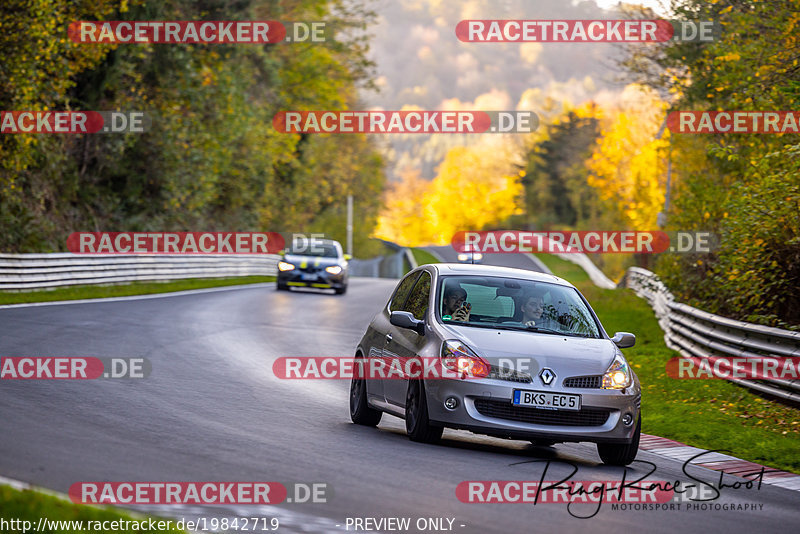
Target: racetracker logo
<point>186,31</point>
<point>73,122</point>
<point>405,122</point>
<point>585,31</point>
<point>627,242</point>
<point>385,367</point>
<point>732,368</point>
<point>197,32</point>
<point>72,368</point>
<point>573,491</point>
<point>175,242</point>
<point>710,122</point>
<point>177,492</point>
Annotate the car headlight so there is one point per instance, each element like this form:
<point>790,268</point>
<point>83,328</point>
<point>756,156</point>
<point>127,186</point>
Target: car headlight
<point>618,375</point>
<point>477,256</point>
<point>285,266</point>
<point>463,257</point>
<point>333,269</point>
<point>461,359</point>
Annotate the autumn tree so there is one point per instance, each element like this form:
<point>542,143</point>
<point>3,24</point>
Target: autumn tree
<point>475,187</point>
<point>212,159</point>
<point>628,164</point>
<point>557,191</point>
<point>743,187</point>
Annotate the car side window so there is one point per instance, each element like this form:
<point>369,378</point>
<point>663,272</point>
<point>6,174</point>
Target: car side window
<point>402,291</point>
<point>417,302</point>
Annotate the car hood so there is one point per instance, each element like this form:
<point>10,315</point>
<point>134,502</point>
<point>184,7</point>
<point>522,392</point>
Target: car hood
<point>567,356</point>
<point>312,261</point>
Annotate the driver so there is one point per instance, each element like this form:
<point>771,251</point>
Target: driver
<point>533,312</point>
<point>455,306</point>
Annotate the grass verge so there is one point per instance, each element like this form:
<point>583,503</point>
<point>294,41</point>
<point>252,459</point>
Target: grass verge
<point>423,256</point>
<point>712,414</point>
<point>124,290</point>
<point>31,505</point>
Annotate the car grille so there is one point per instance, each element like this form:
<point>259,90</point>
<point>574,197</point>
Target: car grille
<point>505,410</point>
<point>503,373</point>
<point>583,382</point>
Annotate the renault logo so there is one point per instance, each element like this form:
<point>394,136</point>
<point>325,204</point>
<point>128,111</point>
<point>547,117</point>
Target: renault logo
<point>547,376</point>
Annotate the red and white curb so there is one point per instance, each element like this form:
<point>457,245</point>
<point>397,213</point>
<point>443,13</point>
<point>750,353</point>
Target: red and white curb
<point>717,461</point>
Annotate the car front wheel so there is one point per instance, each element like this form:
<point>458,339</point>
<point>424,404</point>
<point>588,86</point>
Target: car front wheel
<point>418,425</point>
<point>621,454</point>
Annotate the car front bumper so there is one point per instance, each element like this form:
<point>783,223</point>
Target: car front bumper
<point>320,279</point>
<point>484,407</point>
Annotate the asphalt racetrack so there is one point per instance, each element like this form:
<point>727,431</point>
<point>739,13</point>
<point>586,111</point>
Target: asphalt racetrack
<point>212,410</point>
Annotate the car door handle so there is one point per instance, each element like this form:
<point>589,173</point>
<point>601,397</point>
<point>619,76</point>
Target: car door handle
<point>388,337</point>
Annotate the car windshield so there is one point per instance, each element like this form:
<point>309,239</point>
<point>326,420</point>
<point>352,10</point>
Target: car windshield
<point>319,250</point>
<point>511,303</point>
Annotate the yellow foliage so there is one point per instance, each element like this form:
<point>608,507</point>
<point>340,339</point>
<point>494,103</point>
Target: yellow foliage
<point>628,163</point>
<point>475,188</point>
<point>403,216</point>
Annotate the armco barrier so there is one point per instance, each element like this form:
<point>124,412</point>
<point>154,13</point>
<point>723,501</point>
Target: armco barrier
<point>698,335</point>
<point>39,271</point>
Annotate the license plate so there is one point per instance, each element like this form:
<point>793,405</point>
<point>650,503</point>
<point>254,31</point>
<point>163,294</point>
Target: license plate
<point>546,400</point>
<point>307,276</point>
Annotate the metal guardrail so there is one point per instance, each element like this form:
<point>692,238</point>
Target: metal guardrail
<point>40,271</point>
<point>699,335</point>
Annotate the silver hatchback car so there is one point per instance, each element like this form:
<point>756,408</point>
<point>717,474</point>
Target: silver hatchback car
<point>527,359</point>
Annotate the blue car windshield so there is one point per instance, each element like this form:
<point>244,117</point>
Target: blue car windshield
<point>510,303</point>
<point>319,250</point>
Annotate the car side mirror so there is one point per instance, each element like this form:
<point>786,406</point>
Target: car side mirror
<point>281,253</point>
<point>348,257</point>
<point>624,340</point>
<point>404,319</point>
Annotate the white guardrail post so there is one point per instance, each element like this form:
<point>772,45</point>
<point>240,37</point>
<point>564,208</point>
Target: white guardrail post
<point>40,271</point>
<point>699,335</point>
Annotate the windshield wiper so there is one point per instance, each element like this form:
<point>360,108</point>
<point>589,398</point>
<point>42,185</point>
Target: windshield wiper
<point>542,330</point>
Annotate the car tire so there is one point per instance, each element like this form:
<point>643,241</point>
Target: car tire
<point>621,454</point>
<point>418,426</point>
<point>281,287</point>
<point>341,290</point>
<point>360,412</point>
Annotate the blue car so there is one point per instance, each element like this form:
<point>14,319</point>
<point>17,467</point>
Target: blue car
<point>321,265</point>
